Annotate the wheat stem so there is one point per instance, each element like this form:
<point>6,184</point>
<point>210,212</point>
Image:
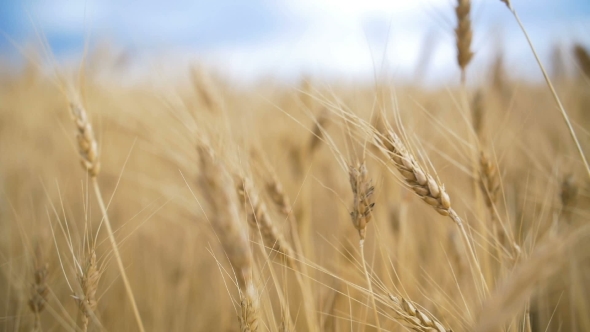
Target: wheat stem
<point>369,284</point>
<point>553,92</point>
<point>117,254</point>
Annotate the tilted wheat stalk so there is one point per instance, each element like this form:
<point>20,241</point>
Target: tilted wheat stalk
<point>421,182</point>
<point>217,187</point>
<point>556,98</point>
<point>425,186</point>
<point>88,149</point>
<point>362,208</point>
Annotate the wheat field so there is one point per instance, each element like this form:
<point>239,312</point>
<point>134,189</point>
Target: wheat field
<point>203,205</point>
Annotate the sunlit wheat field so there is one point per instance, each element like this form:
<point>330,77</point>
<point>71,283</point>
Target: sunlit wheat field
<point>203,204</point>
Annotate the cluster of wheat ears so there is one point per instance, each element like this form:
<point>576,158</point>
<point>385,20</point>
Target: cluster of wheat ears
<point>210,207</point>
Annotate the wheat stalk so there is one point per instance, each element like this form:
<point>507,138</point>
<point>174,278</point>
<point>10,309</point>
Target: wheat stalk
<point>88,149</point>
<point>362,207</point>
<point>556,98</point>
<point>425,186</point>
<point>217,187</point>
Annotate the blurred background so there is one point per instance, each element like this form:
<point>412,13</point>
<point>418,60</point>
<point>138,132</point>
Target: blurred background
<point>287,39</point>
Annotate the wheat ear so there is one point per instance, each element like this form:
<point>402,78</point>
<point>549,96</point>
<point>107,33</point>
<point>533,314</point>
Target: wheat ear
<point>362,207</point>
<point>279,197</point>
<point>489,181</point>
<point>416,319</point>
<point>425,186</point>
<point>39,289</point>
<point>218,190</point>
<point>88,149</point>
<point>88,277</point>
<point>463,35</point>
<point>259,220</point>
<point>362,190</point>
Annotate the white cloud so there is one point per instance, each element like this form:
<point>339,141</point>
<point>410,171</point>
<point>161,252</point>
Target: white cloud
<point>345,37</point>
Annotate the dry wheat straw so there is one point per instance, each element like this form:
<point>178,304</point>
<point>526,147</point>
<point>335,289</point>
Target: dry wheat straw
<point>218,190</point>
<point>259,219</point>
<point>556,98</point>
<point>88,149</point>
<point>39,290</point>
<point>514,292</point>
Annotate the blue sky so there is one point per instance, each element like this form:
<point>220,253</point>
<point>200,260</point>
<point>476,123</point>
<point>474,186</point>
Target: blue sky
<point>286,38</point>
